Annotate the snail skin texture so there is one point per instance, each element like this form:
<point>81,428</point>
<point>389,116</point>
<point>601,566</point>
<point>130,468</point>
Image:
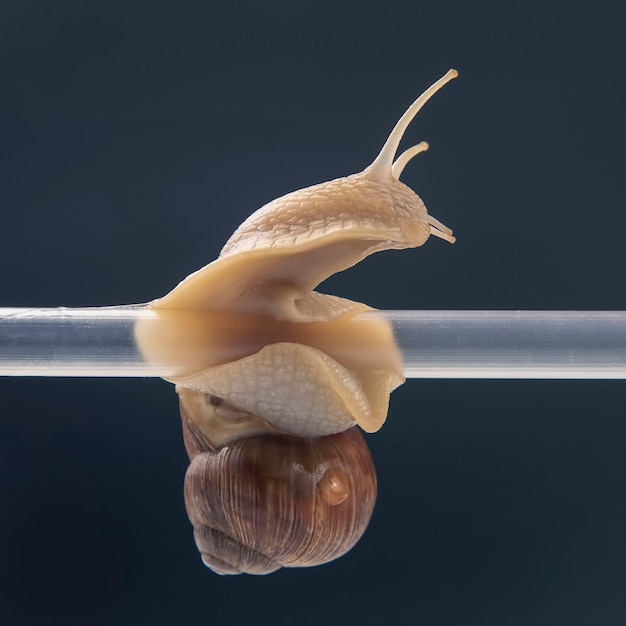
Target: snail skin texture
<point>269,394</point>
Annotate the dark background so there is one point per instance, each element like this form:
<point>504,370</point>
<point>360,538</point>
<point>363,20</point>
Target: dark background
<point>134,138</point>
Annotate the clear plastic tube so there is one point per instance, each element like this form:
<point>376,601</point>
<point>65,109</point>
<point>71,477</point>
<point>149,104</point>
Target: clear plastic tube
<point>95,341</point>
<point>434,344</point>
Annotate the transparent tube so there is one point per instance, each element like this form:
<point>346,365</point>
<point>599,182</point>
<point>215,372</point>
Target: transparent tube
<point>433,344</point>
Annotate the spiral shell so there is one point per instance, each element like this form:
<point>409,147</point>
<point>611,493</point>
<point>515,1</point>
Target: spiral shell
<point>273,501</point>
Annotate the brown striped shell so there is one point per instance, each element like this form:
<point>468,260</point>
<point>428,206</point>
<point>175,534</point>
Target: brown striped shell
<point>272,501</point>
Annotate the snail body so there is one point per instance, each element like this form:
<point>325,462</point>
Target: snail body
<point>270,267</point>
<point>272,263</point>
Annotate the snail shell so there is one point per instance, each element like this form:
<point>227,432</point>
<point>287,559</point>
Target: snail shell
<point>272,501</point>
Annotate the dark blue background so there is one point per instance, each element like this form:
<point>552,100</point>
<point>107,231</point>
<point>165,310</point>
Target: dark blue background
<point>135,136</point>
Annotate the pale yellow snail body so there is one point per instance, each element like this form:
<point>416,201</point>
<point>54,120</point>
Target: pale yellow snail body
<point>290,380</point>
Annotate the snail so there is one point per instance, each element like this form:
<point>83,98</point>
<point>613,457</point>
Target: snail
<point>266,364</point>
